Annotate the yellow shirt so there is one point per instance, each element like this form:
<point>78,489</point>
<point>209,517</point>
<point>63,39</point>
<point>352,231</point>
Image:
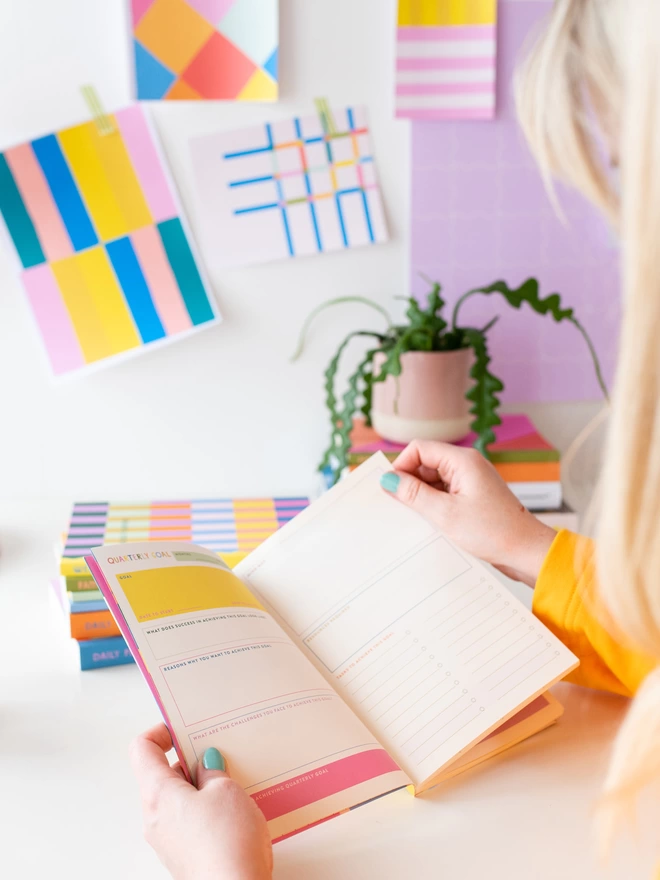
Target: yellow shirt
<point>566,578</point>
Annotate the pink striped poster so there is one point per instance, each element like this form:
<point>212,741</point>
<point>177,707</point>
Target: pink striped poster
<point>445,59</point>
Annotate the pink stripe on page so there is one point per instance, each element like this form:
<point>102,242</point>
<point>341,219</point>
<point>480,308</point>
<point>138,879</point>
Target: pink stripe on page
<point>308,788</point>
<point>486,62</point>
<point>446,113</point>
<point>146,162</point>
<point>53,319</point>
<point>449,33</point>
<point>39,201</point>
<point>125,630</point>
<point>445,88</point>
<point>162,283</point>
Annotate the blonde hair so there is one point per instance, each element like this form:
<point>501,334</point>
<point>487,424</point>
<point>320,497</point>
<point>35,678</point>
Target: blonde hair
<point>596,65</point>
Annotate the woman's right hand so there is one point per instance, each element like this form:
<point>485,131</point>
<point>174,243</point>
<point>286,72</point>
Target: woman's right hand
<point>463,495</point>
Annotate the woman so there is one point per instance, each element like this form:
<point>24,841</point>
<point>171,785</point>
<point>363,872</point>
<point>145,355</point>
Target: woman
<point>598,60</point>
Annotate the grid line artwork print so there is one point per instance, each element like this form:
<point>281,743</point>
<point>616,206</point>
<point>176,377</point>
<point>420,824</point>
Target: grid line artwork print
<point>104,256</point>
<point>225,525</point>
<point>191,50</point>
<point>288,189</point>
<point>445,59</point>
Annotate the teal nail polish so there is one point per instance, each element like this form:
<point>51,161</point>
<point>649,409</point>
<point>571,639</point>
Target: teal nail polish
<point>390,482</point>
<point>213,760</point>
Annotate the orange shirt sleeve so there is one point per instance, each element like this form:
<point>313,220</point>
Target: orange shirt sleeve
<point>568,576</point>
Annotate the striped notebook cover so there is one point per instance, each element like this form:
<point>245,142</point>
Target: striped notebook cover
<point>445,59</point>
<point>226,525</point>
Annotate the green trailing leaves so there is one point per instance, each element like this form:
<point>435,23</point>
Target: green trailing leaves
<point>426,330</point>
<point>331,398</point>
<point>528,292</point>
<point>483,394</point>
<point>358,383</point>
<point>300,347</point>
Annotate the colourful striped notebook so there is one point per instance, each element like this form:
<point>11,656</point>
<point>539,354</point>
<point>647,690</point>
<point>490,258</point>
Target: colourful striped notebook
<point>230,526</point>
<point>104,254</point>
<point>445,59</point>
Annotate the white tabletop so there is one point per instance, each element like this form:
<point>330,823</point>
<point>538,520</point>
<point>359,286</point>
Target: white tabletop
<point>69,808</point>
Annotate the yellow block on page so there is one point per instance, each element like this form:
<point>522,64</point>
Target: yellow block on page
<point>155,593</point>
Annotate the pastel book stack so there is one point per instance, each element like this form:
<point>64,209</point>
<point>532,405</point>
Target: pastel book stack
<point>521,455</point>
<point>232,527</point>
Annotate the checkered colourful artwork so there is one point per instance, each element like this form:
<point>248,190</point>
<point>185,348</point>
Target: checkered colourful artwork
<point>288,189</point>
<point>103,252</point>
<point>445,59</point>
<point>210,50</point>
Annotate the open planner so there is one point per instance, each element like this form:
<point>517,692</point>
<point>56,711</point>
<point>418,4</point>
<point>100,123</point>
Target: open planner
<point>356,651</point>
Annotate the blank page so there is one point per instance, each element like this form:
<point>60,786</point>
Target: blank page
<point>427,648</point>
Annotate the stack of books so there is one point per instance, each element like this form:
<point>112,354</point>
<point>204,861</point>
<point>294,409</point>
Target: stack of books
<point>528,463</point>
<point>232,527</point>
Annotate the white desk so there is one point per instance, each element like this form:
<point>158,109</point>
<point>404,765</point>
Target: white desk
<point>68,804</point>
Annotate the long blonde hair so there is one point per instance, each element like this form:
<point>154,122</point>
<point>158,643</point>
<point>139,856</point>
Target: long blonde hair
<point>596,65</point>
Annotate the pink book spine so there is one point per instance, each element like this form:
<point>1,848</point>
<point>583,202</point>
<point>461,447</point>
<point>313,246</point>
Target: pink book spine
<point>125,630</point>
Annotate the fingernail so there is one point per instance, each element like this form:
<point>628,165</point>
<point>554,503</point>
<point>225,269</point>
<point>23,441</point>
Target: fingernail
<point>213,760</point>
<point>390,482</point>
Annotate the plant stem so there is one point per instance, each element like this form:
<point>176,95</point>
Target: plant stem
<point>334,302</point>
<point>459,303</point>
<point>594,356</point>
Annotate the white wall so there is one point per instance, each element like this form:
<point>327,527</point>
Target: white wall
<point>223,412</point>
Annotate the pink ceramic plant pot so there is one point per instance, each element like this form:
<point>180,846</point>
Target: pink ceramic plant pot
<point>427,401</point>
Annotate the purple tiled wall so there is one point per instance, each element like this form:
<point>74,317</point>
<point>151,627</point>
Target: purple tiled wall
<point>480,213</point>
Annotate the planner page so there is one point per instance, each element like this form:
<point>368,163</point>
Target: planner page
<point>225,674</point>
<point>425,646</point>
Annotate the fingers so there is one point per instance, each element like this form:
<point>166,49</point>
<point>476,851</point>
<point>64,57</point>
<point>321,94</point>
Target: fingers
<point>432,504</point>
<point>212,766</point>
<point>149,758</point>
<point>423,456</point>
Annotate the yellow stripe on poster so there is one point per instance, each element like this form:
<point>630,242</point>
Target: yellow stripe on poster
<point>108,299</point>
<point>459,12</point>
<point>82,309</point>
<point>480,12</point>
<point>440,13</point>
<point>123,180</point>
<point>107,185</point>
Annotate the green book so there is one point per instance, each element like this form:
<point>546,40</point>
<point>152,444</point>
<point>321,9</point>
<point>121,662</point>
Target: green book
<point>83,596</point>
<point>76,583</point>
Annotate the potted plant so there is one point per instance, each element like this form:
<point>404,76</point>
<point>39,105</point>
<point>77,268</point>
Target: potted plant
<point>426,378</point>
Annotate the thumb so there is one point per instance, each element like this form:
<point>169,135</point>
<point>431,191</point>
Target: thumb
<point>415,493</point>
<point>212,766</point>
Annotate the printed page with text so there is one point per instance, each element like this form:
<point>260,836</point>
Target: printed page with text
<point>430,651</point>
<point>225,674</point>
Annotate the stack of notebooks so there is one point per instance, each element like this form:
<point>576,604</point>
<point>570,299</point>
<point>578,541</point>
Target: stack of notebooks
<point>230,527</point>
<point>528,463</point>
